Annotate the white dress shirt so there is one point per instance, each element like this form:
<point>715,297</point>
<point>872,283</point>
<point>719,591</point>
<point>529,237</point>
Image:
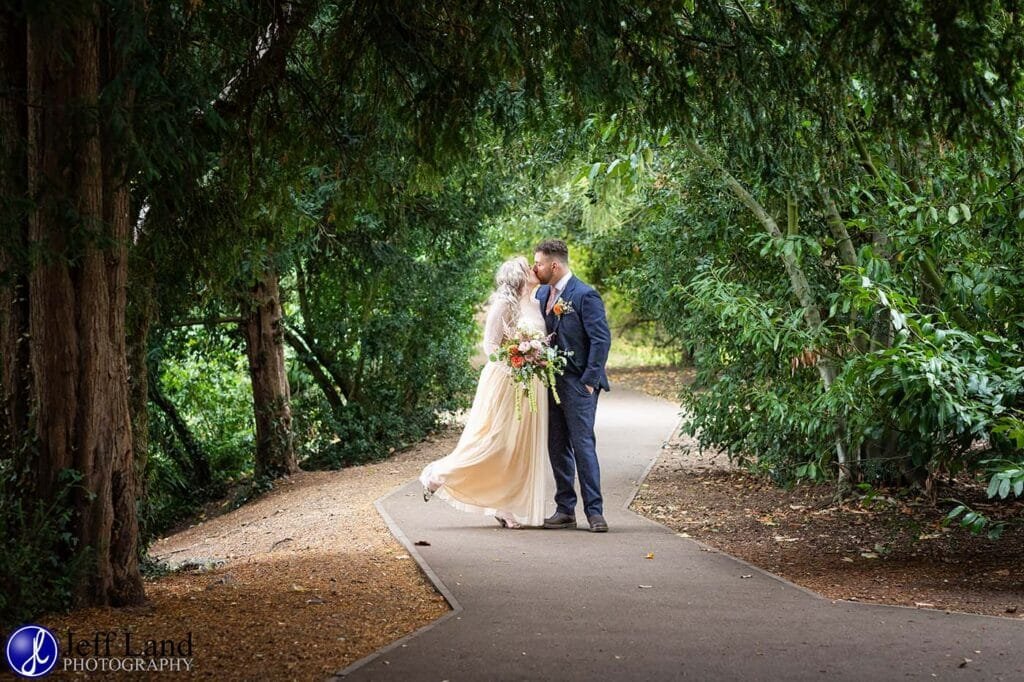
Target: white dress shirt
<point>564,282</point>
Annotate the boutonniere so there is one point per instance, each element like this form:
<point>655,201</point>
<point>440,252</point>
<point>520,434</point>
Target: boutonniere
<point>562,307</point>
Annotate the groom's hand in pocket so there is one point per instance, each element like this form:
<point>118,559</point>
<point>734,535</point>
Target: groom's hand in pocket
<point>590,389</point>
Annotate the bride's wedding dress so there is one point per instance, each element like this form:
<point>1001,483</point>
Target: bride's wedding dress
<point>500,466</point>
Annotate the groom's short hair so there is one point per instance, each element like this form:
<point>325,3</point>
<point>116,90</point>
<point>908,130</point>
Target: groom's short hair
<point>554,248</point>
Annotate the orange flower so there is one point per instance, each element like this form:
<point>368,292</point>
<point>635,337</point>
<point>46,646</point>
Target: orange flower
<point>513,350</point>
<point>562,307</point>
<point>517,361</point>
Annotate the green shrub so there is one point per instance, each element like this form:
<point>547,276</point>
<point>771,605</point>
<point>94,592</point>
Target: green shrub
<point>41,563</point>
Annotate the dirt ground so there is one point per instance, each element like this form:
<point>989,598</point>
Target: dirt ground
<point>881,546</point>
<point>295,585</point>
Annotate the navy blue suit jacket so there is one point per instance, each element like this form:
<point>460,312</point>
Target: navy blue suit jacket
<point>584,331</point>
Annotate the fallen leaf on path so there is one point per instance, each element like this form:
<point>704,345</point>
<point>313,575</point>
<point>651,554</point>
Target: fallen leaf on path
<point>748,575</point>
<point>650,555</point>
<point>963,664</point>
<point>422,543</point>
<point>645,587</point>
<point>924,605</point>
<point>869,555</point>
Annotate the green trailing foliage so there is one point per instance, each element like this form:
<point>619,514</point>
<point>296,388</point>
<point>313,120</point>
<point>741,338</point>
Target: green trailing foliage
<point>200,424</point>
<point>843,263</point>
<point>928,358</point>
<point>384,306</point>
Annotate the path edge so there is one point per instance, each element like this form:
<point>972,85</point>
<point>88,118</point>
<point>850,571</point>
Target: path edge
<point>757,569</point>
<point>703,546</point>
<point>456,607</point>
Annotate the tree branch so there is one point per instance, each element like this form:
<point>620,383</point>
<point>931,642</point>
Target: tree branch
<point>934,279</point>
<point>266,66</point>
<point>847,256</point>
<point>331,392</point>
<point>865,157</point>
<point>197,467</point>
<point>844,245</point>
<point>326,361</point>
<point>203,322</point>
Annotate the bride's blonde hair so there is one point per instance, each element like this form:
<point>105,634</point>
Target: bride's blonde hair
<point>510,279</point>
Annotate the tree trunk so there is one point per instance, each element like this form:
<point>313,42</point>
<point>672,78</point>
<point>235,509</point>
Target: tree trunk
<point>15,369</point>
<point>76,299</point>
<point>264,337</point>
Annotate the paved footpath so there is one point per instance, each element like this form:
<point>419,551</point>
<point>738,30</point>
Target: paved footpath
<point>574,605</point>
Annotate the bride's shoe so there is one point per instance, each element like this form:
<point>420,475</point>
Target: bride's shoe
<point>508,523</point>
<point>430,487</point>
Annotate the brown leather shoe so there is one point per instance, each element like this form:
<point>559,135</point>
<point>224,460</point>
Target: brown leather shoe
<point>597,524</point>
<point>560,520</point>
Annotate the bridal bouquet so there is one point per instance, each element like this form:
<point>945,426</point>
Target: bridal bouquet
<point>528,355</point>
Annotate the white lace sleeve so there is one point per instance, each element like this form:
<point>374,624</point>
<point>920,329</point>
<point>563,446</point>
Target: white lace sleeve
<point>499,321</point>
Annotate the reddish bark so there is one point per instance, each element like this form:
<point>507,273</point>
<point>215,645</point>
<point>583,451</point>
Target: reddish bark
<point>76,300</point>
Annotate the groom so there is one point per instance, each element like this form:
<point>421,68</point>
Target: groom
<point>574,314</point>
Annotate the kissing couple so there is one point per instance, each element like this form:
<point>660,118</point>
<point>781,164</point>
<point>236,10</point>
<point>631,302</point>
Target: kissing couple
<point>499,466</point>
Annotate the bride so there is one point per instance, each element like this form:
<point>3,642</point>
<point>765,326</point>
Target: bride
<point>499,466</point>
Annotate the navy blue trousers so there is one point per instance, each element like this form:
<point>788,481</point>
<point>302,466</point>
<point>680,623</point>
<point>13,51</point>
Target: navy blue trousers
<point>572,446</point>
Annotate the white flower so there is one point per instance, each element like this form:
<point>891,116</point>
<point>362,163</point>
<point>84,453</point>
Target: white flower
<point>524,346</point>
<point>536,345</point>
